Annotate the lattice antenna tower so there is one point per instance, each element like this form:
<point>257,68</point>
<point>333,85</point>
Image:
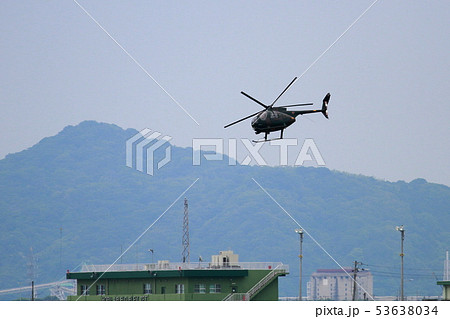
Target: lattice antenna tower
<point>186,233</point>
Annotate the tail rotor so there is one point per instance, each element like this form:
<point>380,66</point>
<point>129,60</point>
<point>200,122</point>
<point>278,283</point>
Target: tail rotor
<point>326,99</point>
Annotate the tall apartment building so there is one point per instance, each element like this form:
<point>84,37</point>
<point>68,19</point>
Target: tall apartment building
<point>336,284</point>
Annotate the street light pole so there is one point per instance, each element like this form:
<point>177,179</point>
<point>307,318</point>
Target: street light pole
<point>401,229</point>
<point>300,232</point>
<point>151,251</point>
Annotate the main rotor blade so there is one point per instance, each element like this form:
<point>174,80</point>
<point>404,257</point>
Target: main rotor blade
<point>235,122</point>
<point>287,87</point>
<point>303,104</point>
<point>255,100</point>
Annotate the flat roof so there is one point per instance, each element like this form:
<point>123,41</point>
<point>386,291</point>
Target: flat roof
<point>166,269</point>
<point>444,282</point>
<point>158,274</point>
<point>334,270</point>
<point>166,265</point>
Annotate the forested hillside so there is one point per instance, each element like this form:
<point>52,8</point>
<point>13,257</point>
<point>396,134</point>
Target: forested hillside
<point>71,199</point>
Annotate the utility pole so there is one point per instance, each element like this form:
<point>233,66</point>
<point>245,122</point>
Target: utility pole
<point>355,271</point>
<point>32,272</point>
<point>447,266</point>
<point>300,256</point>
<point>401,229</point>
<point>60,248</point>
<point>32,290</point>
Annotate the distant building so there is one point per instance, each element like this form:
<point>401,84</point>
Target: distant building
<point>224,278</point>
<point>335,284</point>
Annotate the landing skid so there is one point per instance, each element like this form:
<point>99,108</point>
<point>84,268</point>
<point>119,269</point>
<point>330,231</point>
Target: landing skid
<point>266,140</point>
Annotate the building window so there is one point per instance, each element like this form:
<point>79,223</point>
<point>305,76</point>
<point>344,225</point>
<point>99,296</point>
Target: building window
<point>199,288</point>
<point>85,290</point>
<point>215,288</point>
<point>147,289</point>
<point>101,290</point>
<point>179,289</point>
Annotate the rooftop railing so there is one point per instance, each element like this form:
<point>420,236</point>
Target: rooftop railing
<point>164,265</point>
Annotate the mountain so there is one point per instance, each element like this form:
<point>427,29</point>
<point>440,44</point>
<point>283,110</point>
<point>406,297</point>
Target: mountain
<point>71,199</point>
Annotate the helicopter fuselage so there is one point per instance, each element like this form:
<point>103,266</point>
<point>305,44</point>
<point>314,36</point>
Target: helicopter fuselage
<point>273,120</point>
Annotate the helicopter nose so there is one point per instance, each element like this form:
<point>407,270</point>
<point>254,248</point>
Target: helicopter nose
<point>257,123</point>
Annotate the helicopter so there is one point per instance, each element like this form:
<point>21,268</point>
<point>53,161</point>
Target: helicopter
<point>273,119</point>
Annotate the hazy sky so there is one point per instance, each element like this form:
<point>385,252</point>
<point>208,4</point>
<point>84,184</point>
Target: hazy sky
<point>388,75</point>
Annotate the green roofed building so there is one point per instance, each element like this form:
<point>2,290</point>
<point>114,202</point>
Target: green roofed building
<point>445,282</point>
<point>224,278</point>
<point>445,289</point>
